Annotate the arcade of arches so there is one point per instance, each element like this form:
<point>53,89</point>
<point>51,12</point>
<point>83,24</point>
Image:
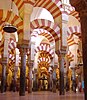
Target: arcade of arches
<point>45,53</point>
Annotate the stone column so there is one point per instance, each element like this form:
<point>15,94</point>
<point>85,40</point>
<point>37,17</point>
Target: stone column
<point>23,51</point>
<point>50,79</point>
<point>15,78</point>
<point>73,79</point>
<point>4,61</point>
<point>30,79</point>
<point>54,80</point>
<point>28,8</point>
<point>61,55</point>
<point>35,80</point>
<point>15,69</point>
<point>81,7</point>
<point>3,79</point>
<point>30,66</point>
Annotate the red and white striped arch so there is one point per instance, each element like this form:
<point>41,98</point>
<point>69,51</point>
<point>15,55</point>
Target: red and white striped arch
<point>70,40</point>
<point>44,65</point>
<point>45,47</point>
<point>11,57</point>
<point>12,45</point>
<point>74,30</point>
<point>69,8</point>
<point>43,59</point>
<point>76,15</point>
<point>44,33</point>
<point>49,26</point>
<point>53,6</point>
<point>2,45</point>
<point>70,56</point>
<point>11,62</point>
<point>71,11</point>
<point>11,18</point>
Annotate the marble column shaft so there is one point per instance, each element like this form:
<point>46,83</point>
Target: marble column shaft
<point>54,81</point>
<point>30,80</point>
<point>61,73</point>
<point>3,79</point>
<point>22,71</point>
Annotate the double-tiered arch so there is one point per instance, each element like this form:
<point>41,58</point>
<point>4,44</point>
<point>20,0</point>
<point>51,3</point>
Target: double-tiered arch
<point>50,27</point>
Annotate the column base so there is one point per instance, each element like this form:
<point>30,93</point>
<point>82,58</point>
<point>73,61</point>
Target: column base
<point>29,91</point>
<point>62,93</point>
<point>21,94</point>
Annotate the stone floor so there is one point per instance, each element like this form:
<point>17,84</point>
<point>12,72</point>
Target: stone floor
<point>42,96</point>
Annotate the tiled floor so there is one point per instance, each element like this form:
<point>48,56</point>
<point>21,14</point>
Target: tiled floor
<point>42,96</point>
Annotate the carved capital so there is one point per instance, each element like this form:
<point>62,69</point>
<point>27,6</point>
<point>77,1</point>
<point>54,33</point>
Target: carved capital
<point>23,44</point>
<point>4,60</point>
<point>23,51</point>
<point>62,51</point>
<point>28,7</point>
<point>79,4</point>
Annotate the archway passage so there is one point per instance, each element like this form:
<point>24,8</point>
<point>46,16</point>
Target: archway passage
<point>50,27</point>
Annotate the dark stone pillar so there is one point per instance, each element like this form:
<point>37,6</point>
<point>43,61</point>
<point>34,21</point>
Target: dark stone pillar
<point>54,80</point>
<point>73,80</point>
<point>61,76</point>
<point>15,78</point>
<point>3,79</point>
<point>35,80</point>
<point>30,80</point>
<point>22,71</point>
<point>50,81</point>
<point>81,7</point>
<point>61,55</point>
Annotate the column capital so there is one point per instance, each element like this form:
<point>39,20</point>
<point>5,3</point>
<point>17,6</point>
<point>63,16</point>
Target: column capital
<point>79,5</point>
<point>23,44</point>
<point>4,60</point>
<point>61,52</point>
<point>31,64</point>
<point>23,48</point>
<point>28,8</point>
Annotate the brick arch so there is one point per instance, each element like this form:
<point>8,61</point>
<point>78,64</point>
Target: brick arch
<point>44,59</point>
<point>70,56</point>
<point>44,33</point>
<point>75,14</point>
<point>71,11</point>
<point>11,46</point>
<point>53,6</point>
<point>46,48</point>
<point>43,64</point>
<point>11,18</point>
<point>74,30</point>
<point>49,26</point>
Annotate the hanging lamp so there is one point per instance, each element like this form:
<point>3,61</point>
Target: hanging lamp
<point>8,27</point>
